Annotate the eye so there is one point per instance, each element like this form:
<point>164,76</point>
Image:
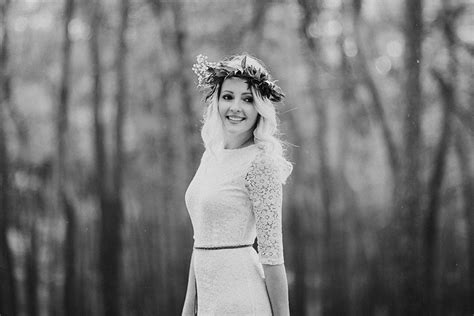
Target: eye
<point>248,99</point>
<point>227,97</point>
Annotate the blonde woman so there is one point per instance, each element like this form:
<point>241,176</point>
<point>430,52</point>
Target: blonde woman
<point>236,195</point>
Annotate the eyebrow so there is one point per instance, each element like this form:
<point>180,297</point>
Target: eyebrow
<point>228,91</point>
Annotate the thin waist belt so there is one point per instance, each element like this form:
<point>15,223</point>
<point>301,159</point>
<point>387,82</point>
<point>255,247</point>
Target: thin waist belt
<point>223,247</point>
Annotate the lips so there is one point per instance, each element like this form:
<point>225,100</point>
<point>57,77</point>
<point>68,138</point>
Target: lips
<point>234,118</point>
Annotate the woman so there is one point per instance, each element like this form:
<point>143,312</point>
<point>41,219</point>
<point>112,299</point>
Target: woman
<point>236,195</point>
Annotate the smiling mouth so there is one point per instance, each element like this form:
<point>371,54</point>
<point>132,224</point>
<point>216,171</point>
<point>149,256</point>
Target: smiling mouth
<point>236,119</point>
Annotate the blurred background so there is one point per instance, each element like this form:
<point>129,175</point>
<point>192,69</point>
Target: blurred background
<point>99,138</point>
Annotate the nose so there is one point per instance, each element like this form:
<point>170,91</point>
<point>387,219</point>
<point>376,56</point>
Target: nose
<point>235,106</point>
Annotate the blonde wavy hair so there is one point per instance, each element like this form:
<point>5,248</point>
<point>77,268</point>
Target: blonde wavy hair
<point>266,133</point>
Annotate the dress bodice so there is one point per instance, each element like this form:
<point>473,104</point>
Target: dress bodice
<point>234,197</point>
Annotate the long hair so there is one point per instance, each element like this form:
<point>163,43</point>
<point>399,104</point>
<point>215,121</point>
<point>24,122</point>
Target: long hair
<point>266,133</point>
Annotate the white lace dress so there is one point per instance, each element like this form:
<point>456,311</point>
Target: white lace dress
<point>234,197</point>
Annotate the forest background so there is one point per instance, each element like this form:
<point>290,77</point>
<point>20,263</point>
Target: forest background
<point>99,138</point>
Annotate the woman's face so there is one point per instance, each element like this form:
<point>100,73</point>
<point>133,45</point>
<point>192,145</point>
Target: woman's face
<point>236,108</point>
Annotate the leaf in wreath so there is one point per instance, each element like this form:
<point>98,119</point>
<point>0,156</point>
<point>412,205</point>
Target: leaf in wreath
<point>244,62</point>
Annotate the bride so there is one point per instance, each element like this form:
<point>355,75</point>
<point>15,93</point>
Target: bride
<point>236,195</point>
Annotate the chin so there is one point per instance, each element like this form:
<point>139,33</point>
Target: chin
<point>234,130</point>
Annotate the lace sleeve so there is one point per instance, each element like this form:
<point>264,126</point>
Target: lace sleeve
<point>265,192</point>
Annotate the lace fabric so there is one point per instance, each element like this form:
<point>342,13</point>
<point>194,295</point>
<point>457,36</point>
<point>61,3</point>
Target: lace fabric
<point>235,196</point>
<point>265,192</point>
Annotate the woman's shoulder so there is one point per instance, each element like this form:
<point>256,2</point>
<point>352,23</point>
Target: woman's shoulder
<point>270,164</point>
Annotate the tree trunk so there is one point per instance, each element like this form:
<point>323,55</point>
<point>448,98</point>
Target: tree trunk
<point>191,130</point>
<point>329,273</point>
<point>166,198</point>
<point>70,254</point>
<point>183,154</point>
<point>99,146</point>
<point>115,215</point>
<point>369,81</point>
<point>109,228</point>
<point>350,207</point>
<point>168,161</point>
<point>408,188</point>
<point>32,271</point>
<point>251,35</point>
<point>298,291</point>
<point>464,152</point>
<point>7,281</point>
<point>120,97</point>
<point>325,181</point>
<point>434,204</point>
<point>464,155</point>
<point>431,239</point>
<point>297,241</point>
<point>63,202</point>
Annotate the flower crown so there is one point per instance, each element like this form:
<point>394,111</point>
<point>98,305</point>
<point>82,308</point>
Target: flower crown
<point>211,75</point>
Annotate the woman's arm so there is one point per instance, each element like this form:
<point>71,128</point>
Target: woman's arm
<point>277,287</point>
<point>189,301</point>
<point>265,187</point>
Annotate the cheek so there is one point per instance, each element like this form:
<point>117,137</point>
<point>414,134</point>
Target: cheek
<point>222,108</point>
<point>253,115</point>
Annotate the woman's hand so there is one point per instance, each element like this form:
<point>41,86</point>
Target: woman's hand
<point>188,308</point>
<point>190,300</point>
<point>277,287</point>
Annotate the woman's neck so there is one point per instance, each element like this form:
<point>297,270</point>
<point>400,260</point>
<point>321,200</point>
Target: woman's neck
<point>238,142</point>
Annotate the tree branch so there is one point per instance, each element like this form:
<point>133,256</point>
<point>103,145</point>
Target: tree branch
<point>377,102</point>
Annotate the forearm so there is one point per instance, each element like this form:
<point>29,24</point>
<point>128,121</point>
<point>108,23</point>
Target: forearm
<point>189,301</point>
<point>277,287</point>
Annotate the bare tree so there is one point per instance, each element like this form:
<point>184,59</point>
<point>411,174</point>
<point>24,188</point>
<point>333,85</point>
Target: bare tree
<point>120,96</point>
<point>179,143</point>
<point>449,103</point>
<point>296,239</point>
<point>463,145</point>
<point>168,159</point>
<point>116,210</point>
<point>378,104</point>
<point>408,188</point>
<point>110,217</point>
<point>184,84</point>
<point>330,264</point>
<point>63,200</point>
<point>31,268</point>
<point>8,289</point>
<point>251,35</point>
<point>430,238</point>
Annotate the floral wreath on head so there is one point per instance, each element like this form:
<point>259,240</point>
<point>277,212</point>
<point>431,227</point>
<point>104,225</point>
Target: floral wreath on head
<point>211,75</point>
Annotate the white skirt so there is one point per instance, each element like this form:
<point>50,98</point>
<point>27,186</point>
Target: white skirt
<point>230,282</point>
